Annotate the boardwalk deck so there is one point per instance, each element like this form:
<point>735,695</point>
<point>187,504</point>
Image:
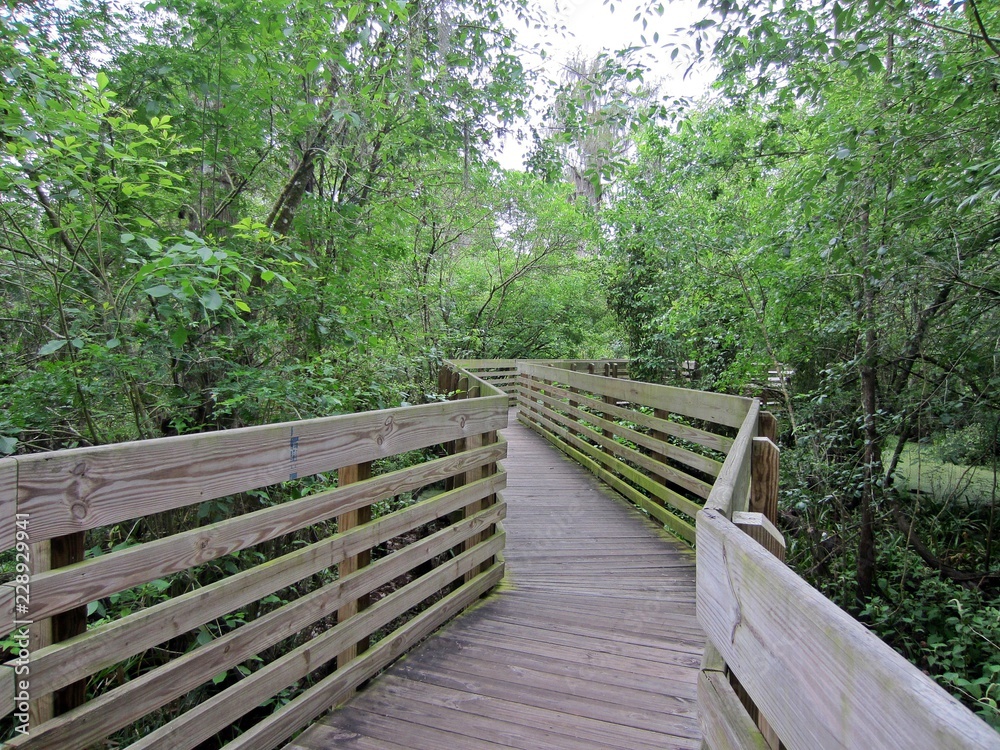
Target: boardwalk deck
<point>592,643</point>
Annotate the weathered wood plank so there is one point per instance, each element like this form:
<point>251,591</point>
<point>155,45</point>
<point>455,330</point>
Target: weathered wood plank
<point>696,435</point>
<point>725,724</point>
<point>656,444</point>
<point>75,490</point>
<point>8,501</point>
<point>345,522</point>
<point>90,580</point>
<point>123,705</point>
<point>104,646</point>
<point>764,478</point>
<point>778,634</point>
<point>558,426</point>
<point>290,717</point>
<point>203,721</point>
<point>731,491</point>
<point>712,407</point>
<point>605,439</point>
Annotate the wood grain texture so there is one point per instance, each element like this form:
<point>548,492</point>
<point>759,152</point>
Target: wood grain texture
<point>712,407</point>
<point>80,489</point>
<point>88,581</point>
<point>106,645</point>
<point>724,722</point>
<point>764,478</point>
<point>565,655</point>
<point>819,676</point>
<point>656,442</point>
<point>652,422</point>
<point>8,501</point>
<point>345,522</point>
<point>731,491</point>
<point>123,705</point>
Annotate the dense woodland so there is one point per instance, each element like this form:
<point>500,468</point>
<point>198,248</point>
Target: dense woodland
<point>219,214</point>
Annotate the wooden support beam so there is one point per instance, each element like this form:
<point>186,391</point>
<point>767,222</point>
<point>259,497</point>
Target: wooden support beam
<point>767,426</point>
<point>345,476</point>
<point>64,551</point>
<point>764,478</point>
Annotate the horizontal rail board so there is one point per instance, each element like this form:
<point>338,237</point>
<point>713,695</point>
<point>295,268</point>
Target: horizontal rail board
<point>818,675</point>
<point>331,691</point>
<point>214,714</point>
<point>704,438</point>
<point>105,714</point>
<point>731,491</point>
<point>725,724</point>
<point>87,581</point>
<point>64,663</point>
<point>689,482</point>
<point>674,523</point>
<point>79,489</point>
<point>711,407</point>
<point>566,428</point>
<point>682,455</point>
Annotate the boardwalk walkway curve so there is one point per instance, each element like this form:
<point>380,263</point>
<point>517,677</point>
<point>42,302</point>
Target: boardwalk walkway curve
<point>591,642</point>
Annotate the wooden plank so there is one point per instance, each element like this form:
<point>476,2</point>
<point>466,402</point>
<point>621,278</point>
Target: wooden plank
<point>105,646</point>
<point>764,478</point>
<point>222,709</point>
<point>79,489</point>
<point>696,435</point>
<point>676,525</point>
<point>652,442</point>
<point>121,706</point>
<point>345,522</point>
<point>662,470</point>
<point>761,530</point>
<point>101,576</point>
<point>712,407</point>
<point>8,501</point>
<point>561,426</point>
<point>819,676</point>
<point>42,704</point>
<point>7,593</point>
<point>8,691</point>
<point>725,724</point>
<point>64,551</point>
<point>731,490</point>
<point>290,717</point>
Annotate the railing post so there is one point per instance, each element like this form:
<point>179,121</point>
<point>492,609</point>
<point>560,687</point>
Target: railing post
<point>764,478</point>
<point>472,475</point>
<point>345,476</point>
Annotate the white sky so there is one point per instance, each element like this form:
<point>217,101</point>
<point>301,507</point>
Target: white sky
<point>591,27</point>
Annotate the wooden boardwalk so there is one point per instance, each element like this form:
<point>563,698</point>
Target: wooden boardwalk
<point>591,643</point>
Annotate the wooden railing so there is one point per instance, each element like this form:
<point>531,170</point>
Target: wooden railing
<point>660,447</point>
<point>784,666</point>
<point>811,675</point>
<point>273,566</point>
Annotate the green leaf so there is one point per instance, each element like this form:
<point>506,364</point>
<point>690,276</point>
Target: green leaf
<point>52,346</point>
<point>112,343</point>
<point>241,305</point>
<point>7,445</point>
<point>102,80</point>
<point>179,337</point>
<point>152,244</point>
<point>219,677</point>
<point>211,300</point>
<point>160,290</point>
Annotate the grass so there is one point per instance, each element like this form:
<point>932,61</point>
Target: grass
<point>920,468</point>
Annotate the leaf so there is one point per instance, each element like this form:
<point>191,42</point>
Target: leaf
<point>102,80</point>
<point>211,300</point>
<point>241,305</point>
<point>160,290</point>
<point>179,337</point>
<point>152,244</point>
<point>52,346</point>
<point>112,343</point>
<point>219,678</point>
<point>267,275</point>
<point>126,238</point>
<point>7,445</point>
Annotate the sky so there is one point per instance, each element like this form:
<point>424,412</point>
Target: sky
<point>591,26</point>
